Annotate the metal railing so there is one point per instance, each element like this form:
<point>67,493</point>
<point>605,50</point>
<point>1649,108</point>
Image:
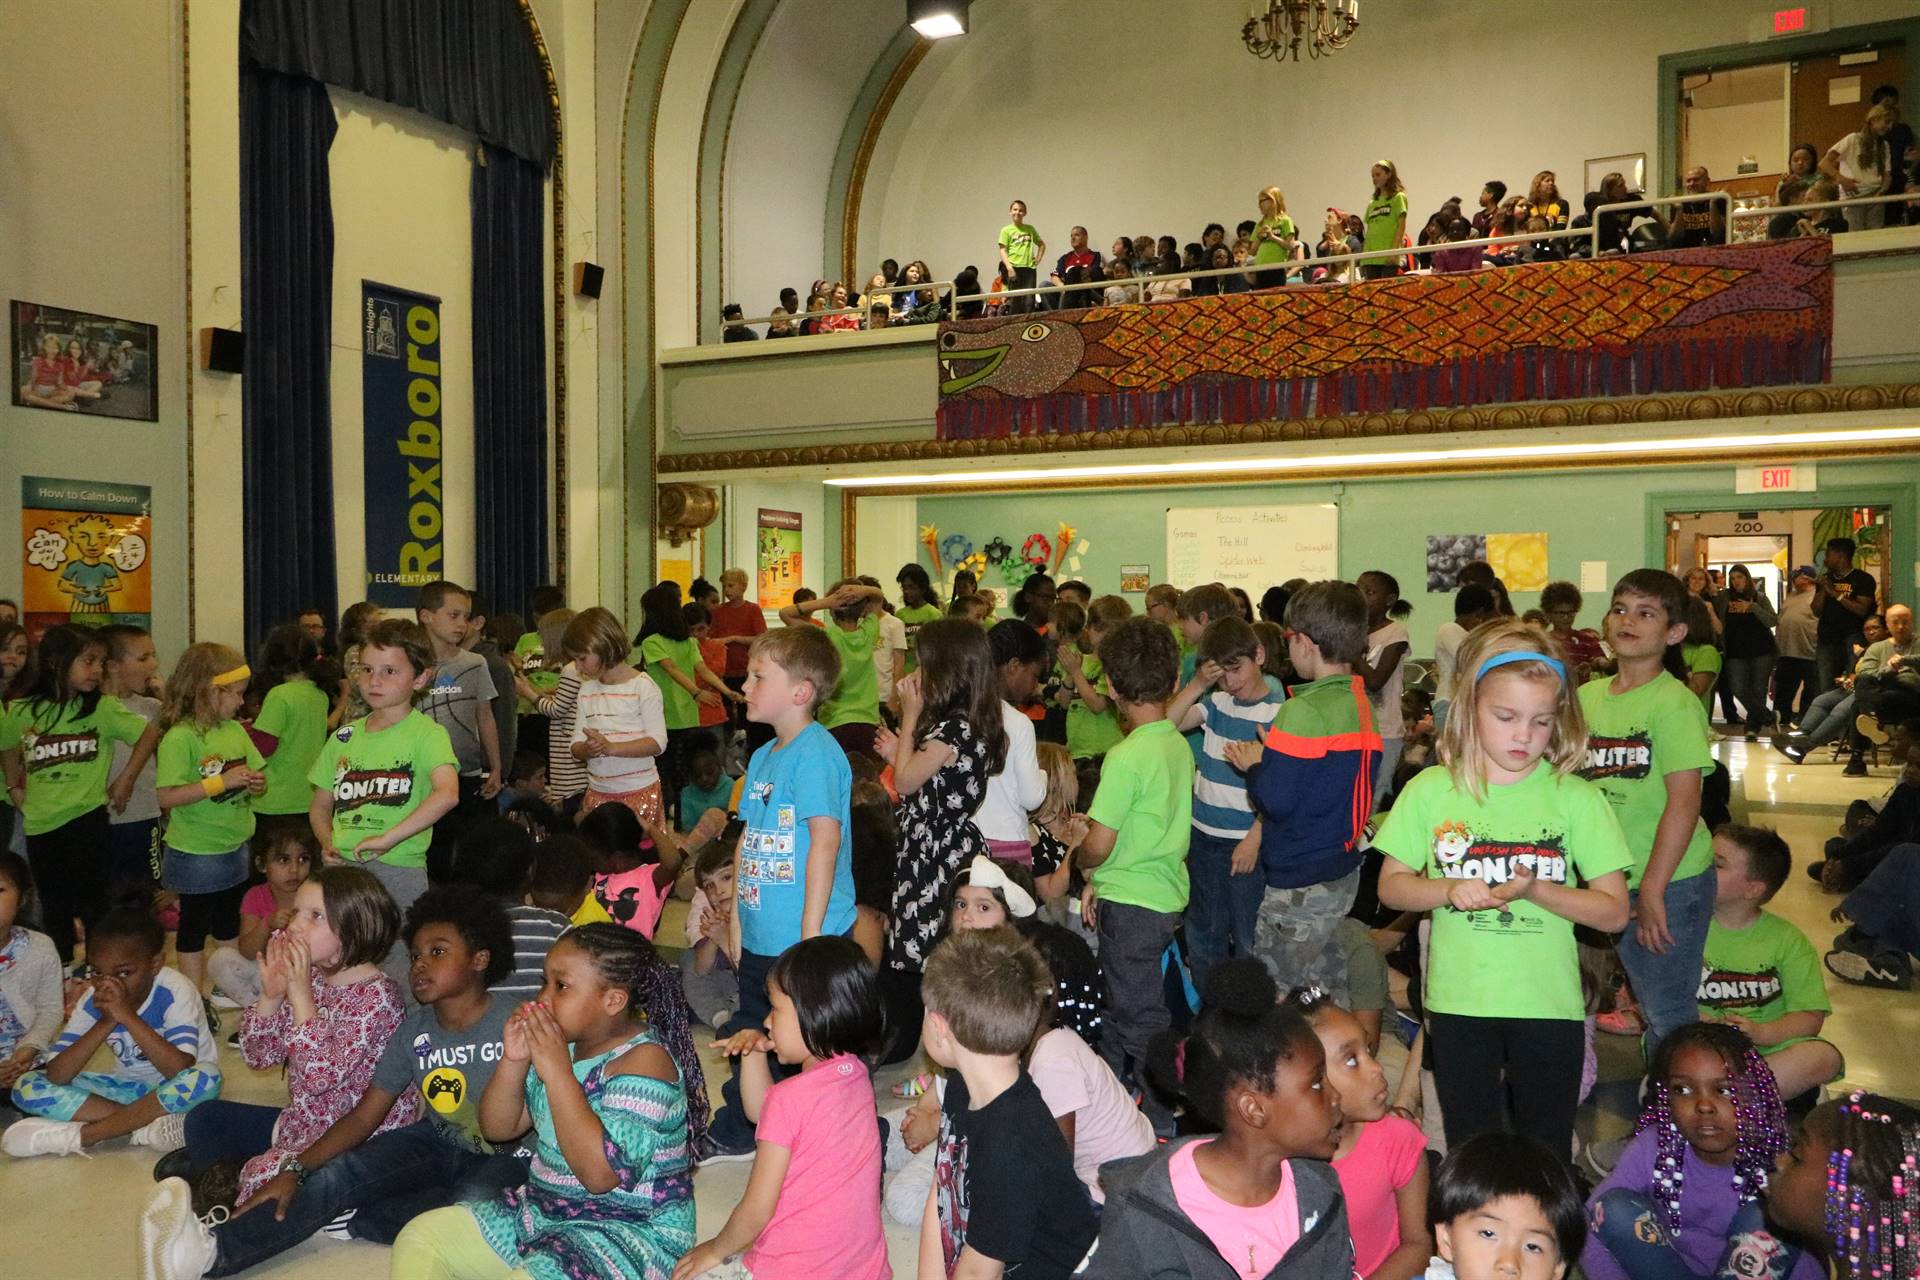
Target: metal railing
<point>936,287</point>
<point>1772,211</point>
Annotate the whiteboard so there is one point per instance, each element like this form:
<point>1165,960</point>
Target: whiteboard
<point>1252,548</point>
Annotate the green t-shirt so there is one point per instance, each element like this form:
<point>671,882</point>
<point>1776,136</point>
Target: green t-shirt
<point>1146,797</point>
<point>1520,962</point>
<point>1092,733</point>
<point>188,754</point>
<point>1764,971</point>
<point>1699,658</point>
<point>857,699</point>
<point>677,706</point>
<point>67,755</point>
<point>915,616</point>
<point>1382,217</point>
<point>1634,740</point>
<point>295,712</point>
<point>1266,250</point>
<point>1021,244</point>
<point>378,777</point>
<point>533,665</point>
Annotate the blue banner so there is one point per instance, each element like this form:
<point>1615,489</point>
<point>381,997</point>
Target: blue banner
<point>400,402</point>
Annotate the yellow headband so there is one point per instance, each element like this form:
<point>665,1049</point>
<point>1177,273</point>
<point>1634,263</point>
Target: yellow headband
<point>235,676</point>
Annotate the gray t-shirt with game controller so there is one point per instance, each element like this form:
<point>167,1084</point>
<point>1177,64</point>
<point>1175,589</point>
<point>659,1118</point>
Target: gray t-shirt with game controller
<point>450,1068</point>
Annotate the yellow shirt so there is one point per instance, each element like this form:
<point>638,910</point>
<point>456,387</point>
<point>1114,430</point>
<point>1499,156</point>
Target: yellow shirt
<point>591,912</point>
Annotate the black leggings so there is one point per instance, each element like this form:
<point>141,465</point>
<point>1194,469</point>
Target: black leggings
<point>208,915</point>
<point>1540,1059</point>
<point>70,871</point>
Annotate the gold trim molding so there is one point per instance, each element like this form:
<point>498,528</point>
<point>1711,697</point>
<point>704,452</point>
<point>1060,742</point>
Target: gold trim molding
<point>1774,401</point>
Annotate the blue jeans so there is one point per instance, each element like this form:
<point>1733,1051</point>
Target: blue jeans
<point>730,1126</point>
<point>391,1178</point>
<point>221,1130</point>
<point>1667,986</point>
<point>1827,717</point>
<point>1633,1231</point>
<point>1221,907</point>
<point>1831,660</point>
<point>1886,906</point>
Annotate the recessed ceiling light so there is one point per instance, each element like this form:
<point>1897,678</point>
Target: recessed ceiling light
<point>938,19</point>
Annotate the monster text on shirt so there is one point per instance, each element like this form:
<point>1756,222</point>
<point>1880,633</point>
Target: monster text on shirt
<point>44,750</point>
<point>355,787</point>
<point>1630,757</point>
<point>1732,989</point>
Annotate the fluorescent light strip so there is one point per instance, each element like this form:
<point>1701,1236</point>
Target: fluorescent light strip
<point>1406,457</point>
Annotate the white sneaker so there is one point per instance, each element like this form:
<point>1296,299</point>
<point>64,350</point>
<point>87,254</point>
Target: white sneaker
<point>221,1000</point>
<point>175,1245</point>
<point>168,1133</point>
<point>33,1137</point>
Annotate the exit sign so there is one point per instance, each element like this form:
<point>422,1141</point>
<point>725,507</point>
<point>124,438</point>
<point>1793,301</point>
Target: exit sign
<point>1781,477</point>
<point>1788,22</point>
<point>1800,20</point>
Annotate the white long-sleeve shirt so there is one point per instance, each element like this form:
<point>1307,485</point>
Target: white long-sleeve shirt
<point>1018,788</point>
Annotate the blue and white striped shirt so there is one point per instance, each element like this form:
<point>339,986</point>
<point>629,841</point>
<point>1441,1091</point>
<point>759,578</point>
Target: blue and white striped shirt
<point>1220,806</point>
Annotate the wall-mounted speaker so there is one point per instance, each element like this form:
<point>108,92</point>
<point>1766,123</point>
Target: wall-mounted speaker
<point>222,350</point>
<point>586,279</point>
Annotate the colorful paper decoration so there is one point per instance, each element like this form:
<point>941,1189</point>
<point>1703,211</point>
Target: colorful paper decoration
<point>1036,550</point>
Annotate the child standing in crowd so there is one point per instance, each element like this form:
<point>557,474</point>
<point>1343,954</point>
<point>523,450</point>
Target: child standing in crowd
<point>30,1005</point>
<point>619,723</point>
<point>382,781</point>
<point>1851,1180</point>
<point>1227,699</point>
<point>325,1015</point>
<point>286,860</point>
<point>51,734</point>
<point>1093,722</point>
<point>951,740</point>
<point>459,698</point>
<point>1685,1196</point>
<point>1494,844</point>
<point>1004,1192</point>
<point>1386,220</point>
<point>209,771</point>
<point>1383,671</point>
<point>1135,851</point>
<point>672,658</point>
<point>713,656</point>
<point>13,660</point>
<point>610,1188</point>
<point>812,1203</point>
<point>537,663</point>
<point>793,866</point>
<point>1561,602</point>
<point>566,773</point>
<point>153,1022</point>
<point>919,605</point>
<point>1505,1208</point>
<point>1648,750</point>
<point>1020,248</point>
<point>1760,973</point>
<point>129,676</point>
<point>1311,784</point>
<point>852,712</point>
<point>1258,1198</point>
<point>293,711</point>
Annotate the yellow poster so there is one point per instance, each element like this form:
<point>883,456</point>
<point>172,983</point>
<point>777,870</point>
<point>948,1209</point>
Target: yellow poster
<point>1519,560</point>
<point>85,553</point>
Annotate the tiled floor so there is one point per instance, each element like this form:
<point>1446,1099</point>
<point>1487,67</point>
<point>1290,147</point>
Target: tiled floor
<point>84,1211</point>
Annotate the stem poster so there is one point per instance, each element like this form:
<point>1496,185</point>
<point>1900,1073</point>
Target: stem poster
<point>85,548</point>
<point>778,557</point>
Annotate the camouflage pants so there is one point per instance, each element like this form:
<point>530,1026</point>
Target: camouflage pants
<point>1296,934</point>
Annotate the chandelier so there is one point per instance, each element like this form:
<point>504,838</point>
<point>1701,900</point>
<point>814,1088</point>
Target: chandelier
<point>1276,28</point>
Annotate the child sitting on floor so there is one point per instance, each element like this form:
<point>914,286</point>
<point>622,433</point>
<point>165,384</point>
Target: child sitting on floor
<point>288,856</point>
<point>1505,1207</point>
<point>634,866</point>
<point>1851,1181</point>
<point>562,880</point>
<point>706,972</point>
<point>29,976</point>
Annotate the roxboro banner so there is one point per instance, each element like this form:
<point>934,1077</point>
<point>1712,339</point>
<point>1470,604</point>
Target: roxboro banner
<point>400,402</point>
<point>1650,323</point>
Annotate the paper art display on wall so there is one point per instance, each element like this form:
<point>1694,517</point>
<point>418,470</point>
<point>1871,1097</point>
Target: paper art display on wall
<point>1448,554</point>
<point>1519,560</point>
<point>1135,578</point>
<point>78,362</point>
<point>86,551</point>
<point>777,557</point>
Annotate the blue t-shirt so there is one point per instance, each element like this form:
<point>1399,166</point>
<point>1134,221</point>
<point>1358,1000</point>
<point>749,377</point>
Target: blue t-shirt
<point>1220,806</point>
<point>807,778</point>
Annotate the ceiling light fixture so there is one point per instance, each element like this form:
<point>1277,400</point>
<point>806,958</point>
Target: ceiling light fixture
<point>1277,28</point>
<point>1361,462</point>
<point>938,19</point>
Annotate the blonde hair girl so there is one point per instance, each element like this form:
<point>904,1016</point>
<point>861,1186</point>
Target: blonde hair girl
<point>1057,828</point>
<point>206,773</point>
<point>1520,652</point>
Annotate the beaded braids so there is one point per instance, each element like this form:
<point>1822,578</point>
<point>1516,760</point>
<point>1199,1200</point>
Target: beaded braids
<point>1761,1118</point>
<point>1873,1188</point>
<point>625,959</point>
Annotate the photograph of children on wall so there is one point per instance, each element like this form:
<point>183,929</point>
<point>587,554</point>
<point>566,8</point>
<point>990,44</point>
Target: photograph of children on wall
<point>76,362</point>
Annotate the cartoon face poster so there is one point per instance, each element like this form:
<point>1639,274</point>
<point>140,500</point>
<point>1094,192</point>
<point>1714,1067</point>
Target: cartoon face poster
<point>84,547</point>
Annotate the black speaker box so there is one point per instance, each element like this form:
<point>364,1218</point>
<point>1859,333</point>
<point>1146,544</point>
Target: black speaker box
<point>222,350</point>
<point>586,279</point>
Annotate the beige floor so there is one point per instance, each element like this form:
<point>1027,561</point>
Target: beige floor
<point>76,1217</point>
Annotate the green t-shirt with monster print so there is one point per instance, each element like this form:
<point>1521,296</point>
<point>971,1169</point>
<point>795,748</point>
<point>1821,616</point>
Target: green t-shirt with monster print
<point>379,776</point>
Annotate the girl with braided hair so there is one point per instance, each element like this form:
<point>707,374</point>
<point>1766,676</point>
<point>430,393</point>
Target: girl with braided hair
<point>609,1193</point>
<point>1851,1181</point>
<point>1684,1200</point>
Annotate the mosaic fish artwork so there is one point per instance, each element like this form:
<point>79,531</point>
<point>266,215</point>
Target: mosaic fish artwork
<point>1680,320</point>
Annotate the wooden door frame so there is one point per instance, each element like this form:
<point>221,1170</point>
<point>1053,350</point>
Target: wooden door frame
<point>1726,57</point>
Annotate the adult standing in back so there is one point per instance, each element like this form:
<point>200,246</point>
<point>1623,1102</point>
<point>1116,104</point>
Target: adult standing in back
<point>1843,596</point>
<point>1748,618</point>
<point>1793,669</point>
<point>1861,164</point>
<point>1020,248</point>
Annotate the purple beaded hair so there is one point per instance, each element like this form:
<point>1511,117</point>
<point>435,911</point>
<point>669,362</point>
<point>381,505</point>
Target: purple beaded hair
<point>1873,1186</point>
<point>1761,1120</point>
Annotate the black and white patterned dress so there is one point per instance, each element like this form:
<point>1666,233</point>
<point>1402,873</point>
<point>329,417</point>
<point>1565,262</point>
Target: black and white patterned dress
<point>937,838</point>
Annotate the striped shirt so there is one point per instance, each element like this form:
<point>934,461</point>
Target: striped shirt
<point>1220,806</point>
<point>535,930</point>
<point>566,776</point>
<point>621,713</point>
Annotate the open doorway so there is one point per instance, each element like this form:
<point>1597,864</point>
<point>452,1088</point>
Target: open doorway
<point>1772,542</point>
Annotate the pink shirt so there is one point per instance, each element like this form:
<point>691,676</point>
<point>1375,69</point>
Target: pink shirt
<point>632,898</point>
<point>827,1220</point>
<point>258,902</point>
<point>1261,1234</point>
<point>1106,1124</point>
<point>1384,1160</point>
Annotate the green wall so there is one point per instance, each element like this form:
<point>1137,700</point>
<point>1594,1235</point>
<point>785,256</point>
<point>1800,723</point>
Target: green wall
<point>1608,515</point>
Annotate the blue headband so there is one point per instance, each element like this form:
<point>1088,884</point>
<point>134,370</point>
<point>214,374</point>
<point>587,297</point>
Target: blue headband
<point>1521,655</point>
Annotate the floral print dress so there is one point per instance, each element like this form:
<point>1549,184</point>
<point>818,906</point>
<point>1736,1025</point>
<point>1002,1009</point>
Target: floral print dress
<point>937,838</point>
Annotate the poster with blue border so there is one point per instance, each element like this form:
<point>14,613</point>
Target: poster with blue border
<point>404,476</point>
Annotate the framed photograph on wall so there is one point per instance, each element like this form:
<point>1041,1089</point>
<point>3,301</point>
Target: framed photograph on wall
<point>1631,167</point>
<point>78,362</point>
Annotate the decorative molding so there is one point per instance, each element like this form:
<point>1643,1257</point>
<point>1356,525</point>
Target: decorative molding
<point>863,156</point>
<point>1773,401</point>
<point>186,178</point>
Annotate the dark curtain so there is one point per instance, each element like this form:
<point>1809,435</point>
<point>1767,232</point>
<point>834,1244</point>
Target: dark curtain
<point>509,376</point>
<point>286,309</point>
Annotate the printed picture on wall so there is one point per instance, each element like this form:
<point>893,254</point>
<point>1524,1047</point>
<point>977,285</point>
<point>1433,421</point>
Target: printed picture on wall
<point>1134,577</point>
<point>1519,560</point>
<point>85,553</point>
<point>1448,554</point>
<point>778,559</point>
<point>76,362</point>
